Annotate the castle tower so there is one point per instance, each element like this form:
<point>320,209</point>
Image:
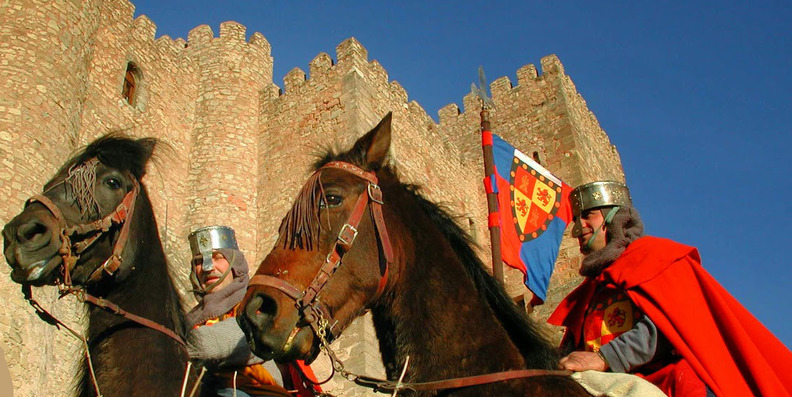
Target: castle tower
<point>223,158</point>
<point>546,118</point>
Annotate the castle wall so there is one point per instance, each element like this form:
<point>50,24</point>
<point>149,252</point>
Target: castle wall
<point>45,50</point>
<point>235,149</point>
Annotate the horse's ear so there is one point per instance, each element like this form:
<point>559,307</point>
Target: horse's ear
<point>147,144</point>
<point>376,143</point>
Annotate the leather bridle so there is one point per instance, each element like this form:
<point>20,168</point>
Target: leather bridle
<point>316,314</point>
<point>311,309</point>
<point>69,253</point>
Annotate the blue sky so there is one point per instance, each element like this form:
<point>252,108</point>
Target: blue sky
<point>694,96</point>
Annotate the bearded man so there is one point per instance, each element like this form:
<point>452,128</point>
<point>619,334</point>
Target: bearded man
<point>647,307</point>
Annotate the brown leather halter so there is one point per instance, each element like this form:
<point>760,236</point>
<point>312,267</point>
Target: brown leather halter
<point>311,309</point>
<point>70,253</point>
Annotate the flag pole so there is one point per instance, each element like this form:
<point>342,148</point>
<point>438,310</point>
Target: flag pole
<point>492,196</point>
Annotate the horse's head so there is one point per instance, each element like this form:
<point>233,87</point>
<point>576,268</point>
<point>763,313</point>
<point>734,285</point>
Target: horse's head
<point>69,232</point>
<point>301,291</point>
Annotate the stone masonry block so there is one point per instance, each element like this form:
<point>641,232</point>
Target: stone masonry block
<point>398,92</point>
<point>379,73</point>
<point>294,79</point>
<point>200,35</point>
<point>526,74</point>
<point>231,30</point>
<point>471,103</point>
<point>122,10</point>
<point>320,65</point>
<point>500,88</point>
<point>552,65</point>
<point>350,50</point>
<point>258,39</point>
<point>448,113</point>
<point>144,28</point>
<point>172,46</point>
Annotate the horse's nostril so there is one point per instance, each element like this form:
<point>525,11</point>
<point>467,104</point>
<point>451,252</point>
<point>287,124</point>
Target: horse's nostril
<point>261,309</point>
<point>32,232</point>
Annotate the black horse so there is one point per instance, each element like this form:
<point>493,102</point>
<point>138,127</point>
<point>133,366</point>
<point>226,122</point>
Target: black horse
<point>93,230</point>
<point>411,264</point>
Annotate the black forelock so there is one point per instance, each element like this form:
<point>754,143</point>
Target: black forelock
<point>118,151</point>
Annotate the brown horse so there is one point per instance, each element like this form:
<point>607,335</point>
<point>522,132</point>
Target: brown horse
<point>93,228</point>
<point>410,264</point>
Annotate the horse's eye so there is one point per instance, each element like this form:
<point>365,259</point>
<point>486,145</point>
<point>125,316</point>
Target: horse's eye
<point>113,183</point>
<point>331,201</point>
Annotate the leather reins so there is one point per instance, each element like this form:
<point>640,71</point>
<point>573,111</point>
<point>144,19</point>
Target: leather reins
<point>69,254</point>
<point>311,309</point>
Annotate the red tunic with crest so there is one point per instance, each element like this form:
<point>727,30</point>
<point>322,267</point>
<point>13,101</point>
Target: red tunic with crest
<point>728,348</point>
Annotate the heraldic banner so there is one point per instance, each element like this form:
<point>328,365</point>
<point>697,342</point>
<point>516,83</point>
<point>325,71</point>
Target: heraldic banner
<point>533,213</point>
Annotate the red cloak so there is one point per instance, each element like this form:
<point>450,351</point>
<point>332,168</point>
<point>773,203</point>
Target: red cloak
<point>729,349</point>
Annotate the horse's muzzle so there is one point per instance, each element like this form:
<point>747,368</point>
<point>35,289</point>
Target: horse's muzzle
<point>272,333</point>
<point>31,247</point>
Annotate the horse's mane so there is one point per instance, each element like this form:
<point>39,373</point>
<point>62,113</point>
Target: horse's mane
<point>524,332</point>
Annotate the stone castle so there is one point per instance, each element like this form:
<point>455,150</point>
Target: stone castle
<point>235,148</point>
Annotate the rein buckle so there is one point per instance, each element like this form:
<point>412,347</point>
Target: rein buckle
<point>347,236</point>
<point>375,193</point>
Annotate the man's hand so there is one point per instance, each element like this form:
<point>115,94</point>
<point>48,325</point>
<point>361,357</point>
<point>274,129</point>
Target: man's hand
<point>583,361</point>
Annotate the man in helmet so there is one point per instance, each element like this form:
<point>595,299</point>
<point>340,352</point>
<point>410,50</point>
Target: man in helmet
<point>219,277</point>
<point>647,307</point>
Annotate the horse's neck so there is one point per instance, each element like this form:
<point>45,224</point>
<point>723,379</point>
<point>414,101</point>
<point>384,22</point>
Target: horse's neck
<point>148,292</point>
<point>439,320</point>
<point>128,357</point>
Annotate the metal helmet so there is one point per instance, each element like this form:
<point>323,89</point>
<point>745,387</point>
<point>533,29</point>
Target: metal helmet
<point>599,194</point>
<point>207,239</point>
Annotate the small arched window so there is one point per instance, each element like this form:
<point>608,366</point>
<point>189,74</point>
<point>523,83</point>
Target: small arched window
<point>130,84</point>
<point>536,157</point>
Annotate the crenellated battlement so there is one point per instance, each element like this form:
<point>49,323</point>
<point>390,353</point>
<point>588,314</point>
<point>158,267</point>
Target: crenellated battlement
<point>123,10</point>
<point>294,79</point>
<point>144,28</point>
<point>398,91</point>
<point>258,40</point>
<point>230,32</point>
<point>201,34</point>
<point>351,51</point>
<point>352,57</point>
<point>174,47</point>
<point>529,82</point>
<point>320,64</point>
<point>233,31</point>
